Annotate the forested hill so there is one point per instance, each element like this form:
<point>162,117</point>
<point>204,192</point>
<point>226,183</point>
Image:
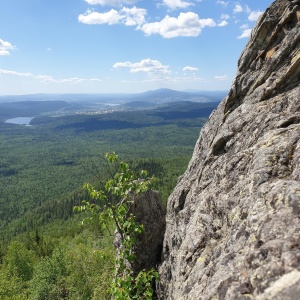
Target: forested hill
<point>42,171</point>
<point>29,108</point>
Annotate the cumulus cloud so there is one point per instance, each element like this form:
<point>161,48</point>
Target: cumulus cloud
<point>174,4</point>
<point>133,16</point>
<point>4,53</point>
<point>110,17</point>
<point>189,69</point>
<point>221,77</point>
<point>254,15</point>
<point>128,16</point>
<point>223,23</point>
<point>224,3</point>
<point>5,47</point>
<point>237,9</point>
<point>111,2</point>
<point>146,66</point>
<point>187,24</point>
<point>246,33</point>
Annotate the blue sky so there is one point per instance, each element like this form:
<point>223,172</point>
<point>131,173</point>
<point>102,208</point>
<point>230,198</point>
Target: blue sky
<point>122,46</point>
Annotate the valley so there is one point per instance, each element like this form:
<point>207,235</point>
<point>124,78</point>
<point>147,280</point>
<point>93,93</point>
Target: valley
<point>44,166</point>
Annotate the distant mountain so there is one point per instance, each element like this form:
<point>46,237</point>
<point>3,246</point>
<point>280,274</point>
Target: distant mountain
<point>167,95</point>
<point>164,95</point>
<point>67,104</point>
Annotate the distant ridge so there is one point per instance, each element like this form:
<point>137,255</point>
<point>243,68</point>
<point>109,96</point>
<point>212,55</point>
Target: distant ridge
<point>163,91</point>
<point>164,94</point>
<point>67,104</point>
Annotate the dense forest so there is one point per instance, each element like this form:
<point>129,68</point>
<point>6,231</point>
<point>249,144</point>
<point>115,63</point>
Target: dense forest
<point>46,253</point>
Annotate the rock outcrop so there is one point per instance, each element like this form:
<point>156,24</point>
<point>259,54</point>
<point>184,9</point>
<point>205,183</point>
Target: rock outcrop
<point>148,210</point>
<point>233,220</point>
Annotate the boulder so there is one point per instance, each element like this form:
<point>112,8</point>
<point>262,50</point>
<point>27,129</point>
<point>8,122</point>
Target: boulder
<point>148,210</point>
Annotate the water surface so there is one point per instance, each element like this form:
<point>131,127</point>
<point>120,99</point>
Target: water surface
<point>20,121</point>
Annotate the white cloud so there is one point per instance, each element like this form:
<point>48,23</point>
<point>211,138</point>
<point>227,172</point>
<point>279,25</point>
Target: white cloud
<point>110,17</point>
<point>246,33</point>
<point>224,3</point>
<point>254,15</point>
<point>133,16</point>
<point>4,53</point>
<point>71,80</point>
<point>128,16</point>
<point>247,9</point>
<point>5,47</point>
<point>237,9</point>
<point>173,4</point>
<point>223,23</point>
<point>46,78</point>
<point>225,17</point>
<point>14,73</point>
<point>187,24</point>
<point>221,77</point>
<point>50,79</point>
<point>146,66</point>
<point>244,26</point>
<point>188,68</point>
<point>111,2</point>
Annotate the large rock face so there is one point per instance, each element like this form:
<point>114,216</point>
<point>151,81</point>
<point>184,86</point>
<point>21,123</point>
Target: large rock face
<point>233,226</point>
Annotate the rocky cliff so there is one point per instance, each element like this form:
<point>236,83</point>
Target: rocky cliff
<point>233,227</point>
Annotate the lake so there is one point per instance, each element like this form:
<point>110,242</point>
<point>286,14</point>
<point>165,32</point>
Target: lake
<point>20,121</point>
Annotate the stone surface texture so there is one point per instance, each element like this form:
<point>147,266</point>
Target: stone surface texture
<point>233,220</point>
<point>149,211</point>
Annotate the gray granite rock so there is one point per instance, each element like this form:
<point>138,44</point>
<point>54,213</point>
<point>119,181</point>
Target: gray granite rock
<point>149,211</point>
<point>233,226</point>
